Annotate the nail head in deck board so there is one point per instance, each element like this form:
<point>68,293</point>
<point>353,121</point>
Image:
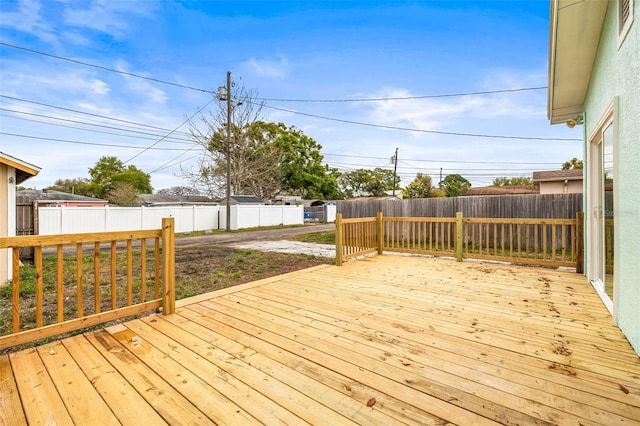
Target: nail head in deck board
<point>83,402</point>
<point>41,402</point>
<point>171,405</point>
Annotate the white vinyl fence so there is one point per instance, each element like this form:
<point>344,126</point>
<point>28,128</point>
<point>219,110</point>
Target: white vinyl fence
<point>71,220</point>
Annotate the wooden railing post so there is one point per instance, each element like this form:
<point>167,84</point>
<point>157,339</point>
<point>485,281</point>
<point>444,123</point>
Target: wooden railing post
<point>168,266</point>
<point>579,238</point>
<point>380,236</point>
<point>459,228</point>
<point>339,239</point>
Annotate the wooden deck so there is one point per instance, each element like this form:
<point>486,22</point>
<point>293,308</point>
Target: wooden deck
<point>380,341</point>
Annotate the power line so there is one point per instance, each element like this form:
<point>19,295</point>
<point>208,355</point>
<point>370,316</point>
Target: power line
<point>87,143</point>
<point>198,89</point>
<point>167,165</point>
<point>404,98</point>
<point>408,129</point>
<point>169,134</point>
<point>438,161</point>
<point>88,113</point>
<point>173,139</point>
<point>62,58</point>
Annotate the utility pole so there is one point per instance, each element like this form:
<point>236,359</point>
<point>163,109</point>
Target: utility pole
<point>395,167</point>
<point>440,181</point>
<point>228,228</point>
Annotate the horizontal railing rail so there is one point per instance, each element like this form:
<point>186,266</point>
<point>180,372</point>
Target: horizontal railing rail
<point>89,279</point>
<point>552,242</point>
<point>529,241</point>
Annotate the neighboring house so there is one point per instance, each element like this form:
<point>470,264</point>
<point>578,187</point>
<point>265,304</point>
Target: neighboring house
<point>559,181</point>
<point>242,199</point>
<point>499,190</point>
<point>13,172</point>
<point>594,79</point>
<point>156,200</point>
<point>48,198</point>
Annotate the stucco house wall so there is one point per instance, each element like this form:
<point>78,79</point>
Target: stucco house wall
<point>12,173</point>
<point>4,218</point>
<point>616,73</point>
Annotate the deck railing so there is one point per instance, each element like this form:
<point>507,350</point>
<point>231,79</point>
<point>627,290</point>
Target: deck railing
<point>553,242</point>
<point>108,284</point>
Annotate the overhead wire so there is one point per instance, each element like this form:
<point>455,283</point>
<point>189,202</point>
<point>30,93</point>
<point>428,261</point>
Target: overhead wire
<point>408,129</point>
<point>87,113</point>
<point>174,131</point>
<point>172,139</point>
<point>87,143</point>
<point>87,64</point>
<point>404,98</point>
<point>177,127</point>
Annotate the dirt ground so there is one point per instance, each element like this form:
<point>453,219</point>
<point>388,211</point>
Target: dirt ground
<point>203,264</point>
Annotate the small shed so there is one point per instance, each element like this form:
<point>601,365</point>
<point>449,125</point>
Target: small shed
<point>13,172</point>
<point>559,181</point>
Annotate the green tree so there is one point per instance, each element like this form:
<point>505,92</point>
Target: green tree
<point>574,163</point>
<point>302,170</point>
<point>454,184</point>
<point>514,181</point>
<point>420,187</point>
<point>365,182</point>
<point>109,172</point>
<point>124,194</point>
<point>80,186</point>
<point>381,181</point>
<point>267,159</point>
<point>352,184</point>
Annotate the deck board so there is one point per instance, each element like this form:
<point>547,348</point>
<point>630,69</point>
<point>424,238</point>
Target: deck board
<point>381,341</point>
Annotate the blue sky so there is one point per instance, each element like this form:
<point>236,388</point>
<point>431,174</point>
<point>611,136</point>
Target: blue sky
<point>300,50</point>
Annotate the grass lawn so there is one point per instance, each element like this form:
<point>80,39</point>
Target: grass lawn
<point>199,269</point>
<point>325,237</point>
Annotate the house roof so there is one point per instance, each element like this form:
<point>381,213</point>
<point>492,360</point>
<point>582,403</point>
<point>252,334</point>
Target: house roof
<point>557,175</point>
<point>243,199</point>
<point>24,170</point>
<point>57,196</point>
<point>157,199</point>
<point>500,190</point>
<point>574,33</point>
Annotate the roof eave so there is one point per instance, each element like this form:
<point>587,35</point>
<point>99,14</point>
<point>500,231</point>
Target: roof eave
<point>574,33</point>
<point>24,170</point>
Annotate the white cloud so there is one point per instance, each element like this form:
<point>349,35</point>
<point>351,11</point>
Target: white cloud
<point>109,17</point>
<point>27,18</point>
<point>269,68</point>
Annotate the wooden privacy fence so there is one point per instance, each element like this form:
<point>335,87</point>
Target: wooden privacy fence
<point>88,289</point>
<point>552,242</point>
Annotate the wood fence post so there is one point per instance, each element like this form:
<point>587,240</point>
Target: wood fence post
<point>579,255</point>
<point>380,224</point>
<point>168,266</point>
<point>339,239</point>
<point>459,227</point>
